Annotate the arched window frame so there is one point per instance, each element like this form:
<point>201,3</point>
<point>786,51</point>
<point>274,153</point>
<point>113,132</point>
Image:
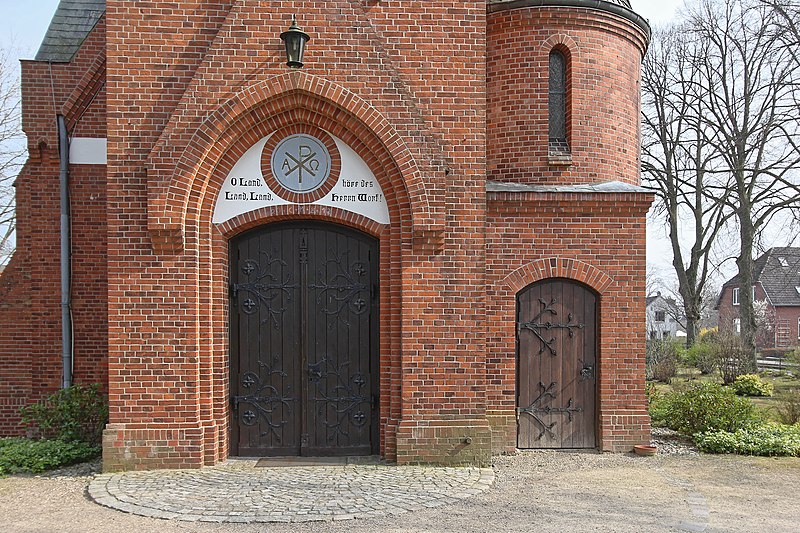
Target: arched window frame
<point>559,104</point>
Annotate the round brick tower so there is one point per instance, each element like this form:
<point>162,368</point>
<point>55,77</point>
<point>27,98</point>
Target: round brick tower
<point>563,91</point>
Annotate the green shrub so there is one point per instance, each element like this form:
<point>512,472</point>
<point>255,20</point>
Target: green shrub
<point>26,455</point>
<point>788,406</point>
<point>701,355</point>
<point>75,414</point>
<point>656,405</point>
<point>752,385</point>
<point>761,439</point>
<point>793,357</point>
<point>661,360</point>
<point>705,407</point>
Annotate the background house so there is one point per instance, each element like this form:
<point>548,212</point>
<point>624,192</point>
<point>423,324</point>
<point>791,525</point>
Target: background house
<point>776,295</point>
<point>664,318</point>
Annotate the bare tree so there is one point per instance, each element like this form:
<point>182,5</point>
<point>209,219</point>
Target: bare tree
<point>12,151</point>
<point>653,280</point>
<point>788,12</point>
<point>749,75</point>
<point>675,159</point>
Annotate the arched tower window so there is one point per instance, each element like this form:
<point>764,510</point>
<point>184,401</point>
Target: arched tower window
<point>558,103</point>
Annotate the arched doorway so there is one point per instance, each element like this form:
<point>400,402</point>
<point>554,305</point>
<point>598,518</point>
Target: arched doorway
<point>556,365</point>
<point>304,341</point>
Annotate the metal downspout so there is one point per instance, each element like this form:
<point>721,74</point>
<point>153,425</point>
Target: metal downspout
<point>66,255</point>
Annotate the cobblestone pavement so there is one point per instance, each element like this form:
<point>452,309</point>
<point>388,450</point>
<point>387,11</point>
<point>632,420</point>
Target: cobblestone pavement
<point>238,491</point>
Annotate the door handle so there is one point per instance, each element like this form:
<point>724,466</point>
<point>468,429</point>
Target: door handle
<point>315,371</point>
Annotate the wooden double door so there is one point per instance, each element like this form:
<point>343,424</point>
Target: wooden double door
<point>556,365</point>
<point>304,341</point>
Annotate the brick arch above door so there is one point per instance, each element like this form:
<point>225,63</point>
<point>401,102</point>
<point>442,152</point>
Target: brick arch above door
<point>170,200</point>
<point>269,215</point>
<point>557,267</point>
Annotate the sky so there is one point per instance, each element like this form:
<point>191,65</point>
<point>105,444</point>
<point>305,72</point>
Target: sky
<point>656,11</point>
<point>23,24</point>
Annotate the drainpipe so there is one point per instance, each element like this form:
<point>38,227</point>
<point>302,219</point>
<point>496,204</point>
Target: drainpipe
<point>66,255</point>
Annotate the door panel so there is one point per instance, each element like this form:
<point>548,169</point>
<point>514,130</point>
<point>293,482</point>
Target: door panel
<point>557,365</point>
<point>304,341</point>
<point>340,322</point>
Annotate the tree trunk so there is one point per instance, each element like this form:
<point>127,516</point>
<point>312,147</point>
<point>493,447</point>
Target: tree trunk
<point>692,324</point>
<point>745,264</point>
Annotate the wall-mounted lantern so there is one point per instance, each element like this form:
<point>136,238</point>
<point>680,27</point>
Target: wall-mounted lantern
<point>295,41</point>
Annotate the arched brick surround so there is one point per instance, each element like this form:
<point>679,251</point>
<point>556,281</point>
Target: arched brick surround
<point>169,205</point>
<point>557,267</point>
<point>614,408</point>
<point>502,332</point>
<point>206,245</point>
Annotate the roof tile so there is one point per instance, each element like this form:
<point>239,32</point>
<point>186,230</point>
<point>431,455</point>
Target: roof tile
<point>72,22</point>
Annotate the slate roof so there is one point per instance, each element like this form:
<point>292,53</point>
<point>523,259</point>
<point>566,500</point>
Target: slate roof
<point>778,270</point>
<point>72,22</point>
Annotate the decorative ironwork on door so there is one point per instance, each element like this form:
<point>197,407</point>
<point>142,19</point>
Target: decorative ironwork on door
<point>264,288</point>
<point>536,326</point>
<point>538,408</point>
<point>345,289</point>
<point>556,362</point>
<point>342,397</point>
<point>304,341</point>
<point>264,403</point>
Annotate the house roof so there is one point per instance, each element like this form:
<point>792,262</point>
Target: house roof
<point>71,24</point>
<point>778,272</point>
<point>668,302</point>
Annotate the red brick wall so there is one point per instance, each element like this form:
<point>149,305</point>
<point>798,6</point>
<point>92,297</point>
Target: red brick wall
<point>30,288</point>
<point>604,53</point>
<point>727,311</point>
<point>375,72</point>
<point>598,240</point>
<point>190,87</point>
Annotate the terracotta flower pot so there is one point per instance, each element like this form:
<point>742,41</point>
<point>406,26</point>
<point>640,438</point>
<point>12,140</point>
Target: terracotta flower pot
<point>645,450</point>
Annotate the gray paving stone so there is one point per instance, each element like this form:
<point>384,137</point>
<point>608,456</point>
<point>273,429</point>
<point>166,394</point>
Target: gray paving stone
<point>238,491</point>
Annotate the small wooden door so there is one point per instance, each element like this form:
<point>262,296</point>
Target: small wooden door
<point>556,365</point>
<point>304,341</point>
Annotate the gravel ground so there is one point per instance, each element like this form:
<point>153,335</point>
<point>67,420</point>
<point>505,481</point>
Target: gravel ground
<point>671,442</point>
<point>545,491</point>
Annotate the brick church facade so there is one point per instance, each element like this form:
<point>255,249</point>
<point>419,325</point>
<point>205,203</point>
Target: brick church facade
<point>426,243</point>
